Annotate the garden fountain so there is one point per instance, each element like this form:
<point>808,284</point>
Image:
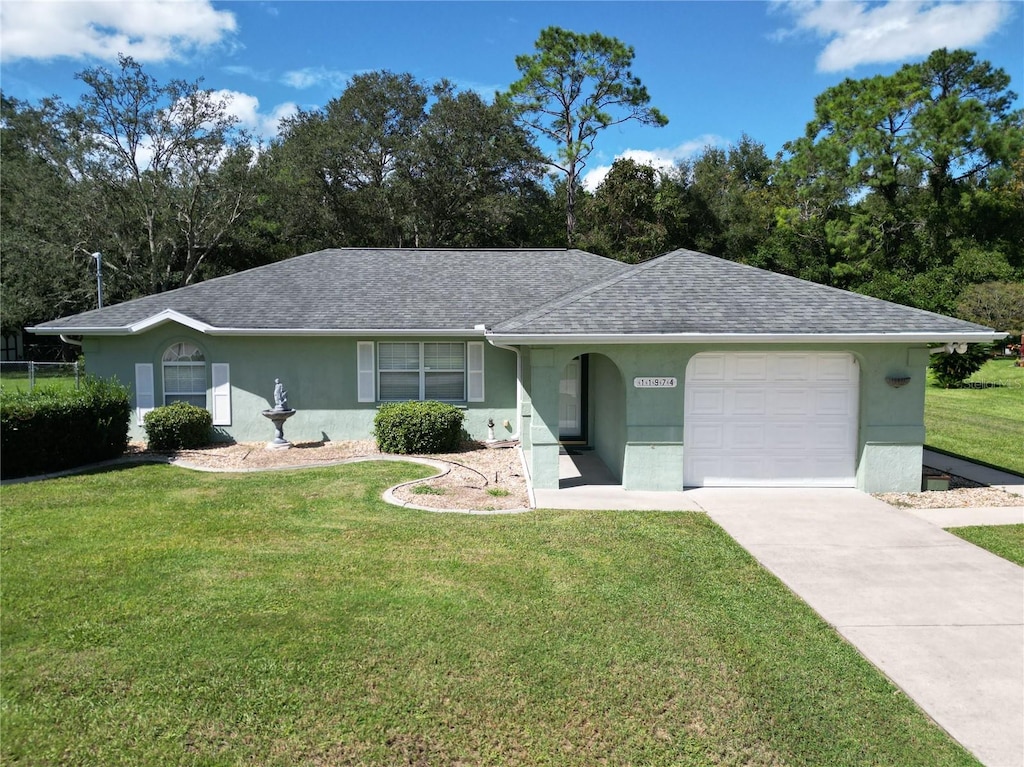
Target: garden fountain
<point>278,415</point>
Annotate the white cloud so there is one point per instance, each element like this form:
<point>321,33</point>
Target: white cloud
<point>309,77</point>
<point>246,108</point>
<point>863,33</point>
<point>147,30</point>
<point>660,159</point>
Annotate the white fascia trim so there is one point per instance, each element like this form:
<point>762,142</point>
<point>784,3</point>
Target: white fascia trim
<point>356,332</point>
<point>167,315</point>
<point>745,338</point>
<point>202,327</point>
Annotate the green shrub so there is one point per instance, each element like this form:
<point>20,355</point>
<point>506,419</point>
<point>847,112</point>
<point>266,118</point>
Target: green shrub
<point>52,428</point>
<point>418,427</point>
<point>951,370</point>
<point>178,426</point>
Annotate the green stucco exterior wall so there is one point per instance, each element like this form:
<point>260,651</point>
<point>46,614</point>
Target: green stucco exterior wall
<point>638,433</point>
<point>319,374</point>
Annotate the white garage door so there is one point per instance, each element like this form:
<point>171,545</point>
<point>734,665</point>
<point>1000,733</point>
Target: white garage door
<point>764,419</point>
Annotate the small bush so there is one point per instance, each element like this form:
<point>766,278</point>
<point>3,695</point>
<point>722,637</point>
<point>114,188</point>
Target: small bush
<point>951,370</point>
<point>178,426</point>
<point>51,429</point>
<point>418,427</point>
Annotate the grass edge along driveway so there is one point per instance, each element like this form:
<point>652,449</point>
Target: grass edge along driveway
<point>156,616</point>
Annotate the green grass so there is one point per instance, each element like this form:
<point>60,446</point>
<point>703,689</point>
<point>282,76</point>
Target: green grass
<point>155,616</point>
<point>427,490</point>
<point>984,421</point>
<point>20,382</point>
<point>1006,541</point>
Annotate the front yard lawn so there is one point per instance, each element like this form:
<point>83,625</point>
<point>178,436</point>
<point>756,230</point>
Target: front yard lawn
<point>984,421</point>
<point>155,616</point>
<point>1007,541</point>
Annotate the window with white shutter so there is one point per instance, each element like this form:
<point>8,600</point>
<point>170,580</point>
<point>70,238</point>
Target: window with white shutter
<point>475,371</point>
<point>221,387</point>
<point>366,391</point>
<point>144,397</point>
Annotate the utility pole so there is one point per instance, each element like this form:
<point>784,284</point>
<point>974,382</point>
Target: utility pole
<point>99,278</point>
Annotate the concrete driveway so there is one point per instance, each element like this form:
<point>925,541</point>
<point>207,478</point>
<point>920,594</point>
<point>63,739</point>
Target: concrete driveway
<point>942,618</point>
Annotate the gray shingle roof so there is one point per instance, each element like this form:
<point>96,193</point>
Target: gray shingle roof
<point>401,289</point>
<point>517,293</point>
<point>688,292</point>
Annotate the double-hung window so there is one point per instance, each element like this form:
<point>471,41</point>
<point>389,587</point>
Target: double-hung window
<point>422,371</point>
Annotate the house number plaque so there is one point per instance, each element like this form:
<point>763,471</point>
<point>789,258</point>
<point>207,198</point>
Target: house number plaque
<point>654,383</point>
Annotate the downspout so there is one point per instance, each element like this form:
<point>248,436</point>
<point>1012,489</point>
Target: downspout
<point>519,377</point>
<point>70,341</point>
<point>519,415</point>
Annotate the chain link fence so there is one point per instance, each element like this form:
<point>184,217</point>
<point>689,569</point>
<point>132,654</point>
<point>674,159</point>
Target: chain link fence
<point>26,376</point>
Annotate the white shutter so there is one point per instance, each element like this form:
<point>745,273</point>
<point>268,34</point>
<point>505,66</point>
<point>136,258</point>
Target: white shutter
<point>144,398</point>
<point>221,373</point>
<point>367,374</point>
<point>475,371</point>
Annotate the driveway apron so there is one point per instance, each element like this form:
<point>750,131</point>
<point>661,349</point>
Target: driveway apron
<point>942,618</point>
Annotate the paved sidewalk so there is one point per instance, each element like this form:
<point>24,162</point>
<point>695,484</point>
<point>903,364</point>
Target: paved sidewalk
<point>943,619</point>
<point>993,515</point>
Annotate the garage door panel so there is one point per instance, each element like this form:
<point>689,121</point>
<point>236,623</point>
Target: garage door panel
<point>749,436</point>
<point>835,367</point>
<point>707,367</point>
<point>748,402</point>
<point>789,437</point>
<point>788,468</point>
<point>709,437</point>
<point>708,402</point>
<point>790,402</point>
<point>836,402</point>
<point>748,367</point>
<point>763,419</point>
<point>831,436</point>
<point>792,367</point>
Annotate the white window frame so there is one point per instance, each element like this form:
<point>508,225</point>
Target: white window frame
<point>177,348</point>
<point>468,370</point>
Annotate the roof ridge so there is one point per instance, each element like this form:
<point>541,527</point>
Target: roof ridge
<point>589,289</point>
<point>829,288</point>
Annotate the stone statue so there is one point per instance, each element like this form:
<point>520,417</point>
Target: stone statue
<point>280,396</point>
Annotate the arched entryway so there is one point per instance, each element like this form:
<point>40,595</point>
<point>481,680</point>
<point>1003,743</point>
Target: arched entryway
<point>592,421</point>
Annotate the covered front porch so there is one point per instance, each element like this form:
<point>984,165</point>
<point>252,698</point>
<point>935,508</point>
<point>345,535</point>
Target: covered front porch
<point>585,482</point>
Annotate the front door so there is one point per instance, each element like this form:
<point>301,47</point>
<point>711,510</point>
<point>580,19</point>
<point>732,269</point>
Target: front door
<point>570,402</point>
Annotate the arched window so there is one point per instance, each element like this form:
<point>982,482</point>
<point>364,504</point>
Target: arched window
<point>184,375</point>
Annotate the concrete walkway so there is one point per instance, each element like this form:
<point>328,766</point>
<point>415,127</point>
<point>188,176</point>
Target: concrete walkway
<point>943,619</point>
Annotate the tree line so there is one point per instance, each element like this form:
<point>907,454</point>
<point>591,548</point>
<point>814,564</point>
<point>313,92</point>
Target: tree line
<point>908,187</point>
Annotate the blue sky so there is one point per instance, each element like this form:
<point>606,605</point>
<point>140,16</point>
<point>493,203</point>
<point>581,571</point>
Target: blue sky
<point>716,69</point>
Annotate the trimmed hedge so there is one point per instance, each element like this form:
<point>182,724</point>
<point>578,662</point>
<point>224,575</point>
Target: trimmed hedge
<point>178,426</point>
<point>51,429</point>
<point>418,427</point>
